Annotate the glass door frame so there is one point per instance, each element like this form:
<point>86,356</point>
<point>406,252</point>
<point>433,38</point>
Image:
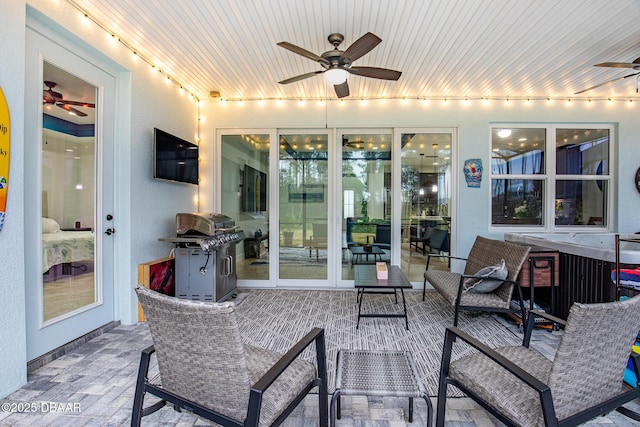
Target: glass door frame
<point>337,198</point>
<point>397,193</point>
<point>43,46</point>
<point>272,201</point>
<point>331,216</point>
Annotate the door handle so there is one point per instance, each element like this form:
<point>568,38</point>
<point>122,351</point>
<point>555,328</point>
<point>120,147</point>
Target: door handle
<point>109,231</point>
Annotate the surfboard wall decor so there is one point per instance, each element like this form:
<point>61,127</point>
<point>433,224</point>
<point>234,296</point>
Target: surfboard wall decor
<point>5,139</point>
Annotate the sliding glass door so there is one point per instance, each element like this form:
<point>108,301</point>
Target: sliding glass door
<point>366,198</point>
<point>304,224</point>
<point>426,186</point>
<point>324,206</point>
<point>244,188</point>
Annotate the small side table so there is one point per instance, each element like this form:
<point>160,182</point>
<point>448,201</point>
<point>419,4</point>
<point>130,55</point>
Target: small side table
<point>377,373</point>
<point>252,246</point>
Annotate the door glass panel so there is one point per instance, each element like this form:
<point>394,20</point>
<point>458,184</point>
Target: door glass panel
<point>68,194</point>
<point>426,201</point>
<point>245,194</point>
<point>304,197</point>
<point>366,200</point>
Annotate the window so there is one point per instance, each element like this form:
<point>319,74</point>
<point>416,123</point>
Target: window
<point>348,208</point>
<point>535,186</point>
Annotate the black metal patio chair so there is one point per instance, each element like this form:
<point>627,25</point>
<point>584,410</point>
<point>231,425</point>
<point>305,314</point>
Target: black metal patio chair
<point>205,368</point>
<point>521,387</point>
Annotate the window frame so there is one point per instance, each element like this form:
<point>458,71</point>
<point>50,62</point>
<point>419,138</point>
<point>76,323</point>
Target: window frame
<point>550,177</point>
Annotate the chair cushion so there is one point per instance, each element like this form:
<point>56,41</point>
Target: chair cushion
<point>288,385</point>
<point>501,389</point>
<point>483,283</point>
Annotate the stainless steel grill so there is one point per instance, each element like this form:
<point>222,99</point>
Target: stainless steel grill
<point>205,256</point>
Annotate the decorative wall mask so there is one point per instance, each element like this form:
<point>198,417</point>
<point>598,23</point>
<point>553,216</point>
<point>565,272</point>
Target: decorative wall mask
<point>473,172</point>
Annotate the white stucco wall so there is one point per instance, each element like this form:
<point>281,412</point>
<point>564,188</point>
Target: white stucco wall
<point>145,208</point>
<point>12,297</point>
<point>472,119</point>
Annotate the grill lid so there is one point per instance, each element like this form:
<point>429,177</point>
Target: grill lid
<point>203,223</point>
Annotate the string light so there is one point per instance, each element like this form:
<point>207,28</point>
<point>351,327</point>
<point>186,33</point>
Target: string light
<point>115,39</point>
<point>321,100</point>
<point>426,100</point>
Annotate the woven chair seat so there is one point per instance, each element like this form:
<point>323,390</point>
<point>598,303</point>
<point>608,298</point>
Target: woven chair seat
<point>288,385</point>
<point>494,384</point>
<point>446,283</point>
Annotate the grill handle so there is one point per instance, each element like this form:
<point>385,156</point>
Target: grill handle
<point>228,264</point>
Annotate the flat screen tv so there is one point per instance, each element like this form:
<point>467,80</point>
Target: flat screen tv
<point>255,190</point>
<point>174,158</point>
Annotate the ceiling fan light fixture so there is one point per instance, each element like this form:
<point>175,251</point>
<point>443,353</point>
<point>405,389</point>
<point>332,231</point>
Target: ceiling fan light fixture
<point>504,133</point>
<point>336,76</point>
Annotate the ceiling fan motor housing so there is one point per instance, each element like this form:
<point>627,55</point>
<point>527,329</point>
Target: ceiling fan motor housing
<point>335,39</point>
<point>334,61</point>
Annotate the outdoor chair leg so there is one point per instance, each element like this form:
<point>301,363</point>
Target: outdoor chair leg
<point>138,397</point>
<point>429,409</point>
<point>411,409</point>
<point>334,408</point>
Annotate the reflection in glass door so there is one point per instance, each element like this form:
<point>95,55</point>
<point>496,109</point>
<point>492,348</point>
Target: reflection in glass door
<point>68,196</point>
<point>245,196</point>
<point>426,195</point>
<point>366,199</point>
<point>303,206</point>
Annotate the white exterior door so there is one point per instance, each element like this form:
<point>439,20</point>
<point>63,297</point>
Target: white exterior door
<point>69,186</point>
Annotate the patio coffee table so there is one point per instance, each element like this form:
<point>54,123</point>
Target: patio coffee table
<point>365,281</point>
<point>358,251</point>
<point>377,373</point>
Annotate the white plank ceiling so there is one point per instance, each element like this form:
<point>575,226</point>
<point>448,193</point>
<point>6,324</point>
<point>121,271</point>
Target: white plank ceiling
<point>446,48</point>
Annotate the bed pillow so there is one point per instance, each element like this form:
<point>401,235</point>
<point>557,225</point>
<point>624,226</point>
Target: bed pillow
<point>50,225</point>
<point>484,283</point>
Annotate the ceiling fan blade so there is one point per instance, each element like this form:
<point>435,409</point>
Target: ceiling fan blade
<point>635,64</point>
<point>304,52</point>
<point>80,104</point>
<point>361,47</point>
<point>46,97</point>
<point>606,83</point>
<point>376,73</point>
<point>342,90</point>
<point>53,94</point>
<point>300,77</point>
<point>71,109</point>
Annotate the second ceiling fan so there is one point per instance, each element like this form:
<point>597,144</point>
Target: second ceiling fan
<point>337,64</point>
<point>635,65</point>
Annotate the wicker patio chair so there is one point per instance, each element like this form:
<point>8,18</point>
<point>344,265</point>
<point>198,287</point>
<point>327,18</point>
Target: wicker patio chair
<point>206,369</point>
<point>484,252</point>
<point>523,388</point>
